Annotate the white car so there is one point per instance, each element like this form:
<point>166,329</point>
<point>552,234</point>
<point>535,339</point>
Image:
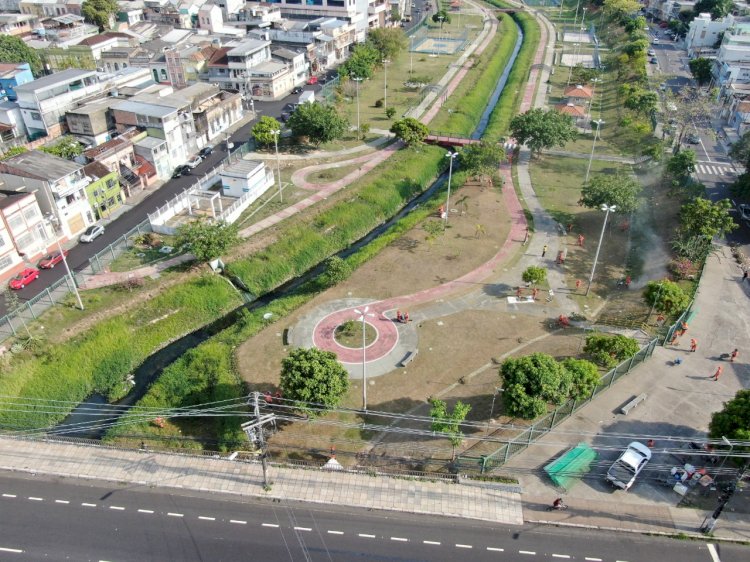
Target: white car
<point>92,233</point>
<point>193,162</point>
<point>625,470</point>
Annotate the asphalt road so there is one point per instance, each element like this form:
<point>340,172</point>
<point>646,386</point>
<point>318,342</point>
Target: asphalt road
<point>68,520</point>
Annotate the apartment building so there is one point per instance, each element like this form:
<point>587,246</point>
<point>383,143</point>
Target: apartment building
<point>733,57</point>
<point>92,122</point>
<point>13,75</point>
<point>18,24</point>
<point>24,236</point>
<point>704,35</point>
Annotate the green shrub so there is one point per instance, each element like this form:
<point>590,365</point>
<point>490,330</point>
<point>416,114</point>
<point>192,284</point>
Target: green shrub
<point>608,350</point>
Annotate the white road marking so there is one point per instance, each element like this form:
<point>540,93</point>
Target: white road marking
<point>116,508</point>
<point>712,551</point>
<point>9,495</point>
<point>88,504</point>
<point>206,518</point>
<point>399,539</point>
<point>274,525</point>
<point>560,556</point>
<point>34,499</point>
<point>145,511</point>
<point>14,550</point>
<point>175,514</point>
<point>238,521</point>
<point>302,529</point>
<point>365,536</point>
<point>527,552</point>
<point>436,543</point>
<point>493,549</point>
<point>62,501</point>
<point>593,559</point>
<point>335,532</point>
<point>463,546</point>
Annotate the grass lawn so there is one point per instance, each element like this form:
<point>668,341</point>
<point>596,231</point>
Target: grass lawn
<point>139,256</point>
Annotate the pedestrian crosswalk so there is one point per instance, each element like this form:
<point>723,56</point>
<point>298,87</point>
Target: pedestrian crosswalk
<point>715,170</point>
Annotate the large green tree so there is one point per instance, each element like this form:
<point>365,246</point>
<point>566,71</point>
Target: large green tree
<point>681,165</point>
<point>740,150</point>
<point>534,274</point>
<point>207,240</point>
<point>449,421</point>
<point>99,12</point>
<point>717,8</point>
<point>700,68</point>
<point>362,62</point>
<point>609,349</point>
<point>441,17</point>
<point>639,100</point>
<point>620,10</point>
<point>265,130</point>
<point>13,49</point>
<point>411,131</point>
<point>531,382</point>
<point>584,377</point>
<point>67,147</point>
<point>482,159</point>
<point>666,296</point>
<point>539,129</point>
<point>733,421</point>
<point>702,217</point>
<point>315,378</point>
<point>319,123</point>
<point>388,41</point>
<point>612,189</point>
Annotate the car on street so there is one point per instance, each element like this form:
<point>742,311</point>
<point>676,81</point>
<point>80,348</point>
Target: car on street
<point>50,261</point>
<point>180,171</point>
<point>297,90</point>
<point>284,117</point>
<point>692,138</point>
<point>664,25</point>
<point>628,466</point>
<point>651,53</point>
<point>206,151</point>
<point>92,233</point>
<point>744,210</point>
<point>312,80</point>
<point>24,278</point>
<point>655,40</point>
<point>654,60</point>
<point>193,162</point>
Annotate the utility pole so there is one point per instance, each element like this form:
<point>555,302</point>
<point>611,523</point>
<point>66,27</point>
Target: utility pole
<point>254,432</point>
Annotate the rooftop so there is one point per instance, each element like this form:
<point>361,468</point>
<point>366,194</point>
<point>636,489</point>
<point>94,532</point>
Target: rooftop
<point>9,70</point>
<point>570,109</point>
<point>150,142</point>
<point>39,165</point>
<point>242,168</point>
<point>8,198</point>
<point>144,108</point>
<point>96,170</point>
<point>94,106</point>
<point>578,91</point>
<point>247,47</point>
<point>53,80</point>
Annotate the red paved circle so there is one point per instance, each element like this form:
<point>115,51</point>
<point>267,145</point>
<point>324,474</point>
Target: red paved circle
<point>385,340</point>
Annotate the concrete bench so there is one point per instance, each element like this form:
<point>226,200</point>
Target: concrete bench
<point>633,403</point>
<point>408,358</point>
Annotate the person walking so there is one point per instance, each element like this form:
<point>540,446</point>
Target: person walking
<point>744,275</point>
<point>544,250</point>
<point>717,374</point>
<point>693,345</point>
<point>733,355</point>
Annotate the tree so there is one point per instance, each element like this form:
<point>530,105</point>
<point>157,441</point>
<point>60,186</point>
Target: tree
<point>99,12</point>
<point>390,112</point>
<point>733,421</point>
<point>13,151</point>
<point>263,130</point>
<point>666,296</point>
<point>207,240</point>
<point>361,62</point>
<point>635,24</point>
<point>319,123</point>
<point>387,41</point>
<point>337,271</point>
<point>13,49</point>
<point>740,150</point>
<point>639,100</point>
<point>534,275</point>
<point>395,15</point>
<point>449,421</point>
<point>690,107</point>
<point>411,131</point>
<point>584,377</point>
<point>482,159</point>
<point>606,189</point>
<point>539,129</point>
<point>700,68</point>
<point>441,17</point>
<point>619,10</point>
<point>531,382</point>
<point>717,8</point>
<point>608,350</point>
<point>67,147</point>
<point>702,217</point>
<point>681,165</point>
<point>315,378</point>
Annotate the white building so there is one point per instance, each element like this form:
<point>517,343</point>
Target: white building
<point>24,236</point>
<point>246,178</point>
<point>733,57</point>
<point>704,34</point>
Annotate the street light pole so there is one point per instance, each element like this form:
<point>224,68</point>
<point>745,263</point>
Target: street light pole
<point>599,123</point>
<point>731,448</point>
<point>411,56</point>
<point>357,80</point>
<point>451,156</point>
<point>607,209</point>
<point>363,314</point>
<point>385,83</point>
<point>276,134</point>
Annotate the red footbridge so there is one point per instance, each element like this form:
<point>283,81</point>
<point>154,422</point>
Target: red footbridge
<point>450,141</point>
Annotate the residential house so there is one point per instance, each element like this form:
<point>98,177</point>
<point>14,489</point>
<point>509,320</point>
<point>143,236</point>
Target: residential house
<point>58,184</point>
<point>13,75</point>
<point>12,129</point>
<point>24,236</point>
<point>104,192</point>
<point>733,59</point>
<point>92,122</point>
<point>705,34</point>
<point>296,61</point>
<point>18,24</point>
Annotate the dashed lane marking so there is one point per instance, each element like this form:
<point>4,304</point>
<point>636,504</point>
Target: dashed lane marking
<point>436,543</point>
<point>88,504</point>
<point>593,559</point>
<point>529,552</point>
<point>202,518</point>
<point>712,551</point>
<point>175,514</point>
<point>463,545</point>
<point>35,499</point>
<point>9,495</point>
<point>238,521</point>
<point>335,532</point>
<point>560,556</point>
<point>366,536</point>
<point>62,501</point>
<point>117,507</point>
<point>273,525</point>
<point>495,549</point>
<point>145,511</point>
<point>308,529</point>
<point>399,539</point>
<point>13,550</point>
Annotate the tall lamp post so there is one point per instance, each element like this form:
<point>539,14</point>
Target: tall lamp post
<point>731,448</point>
<point>451,156</point>
<point>607,209</point>
<point>276,134</point>
<point>385,83</point>
<point>598,124</point>
<point>357,80</point>
<point>363,314</point>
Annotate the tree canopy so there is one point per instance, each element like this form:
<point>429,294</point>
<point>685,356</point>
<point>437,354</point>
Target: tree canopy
<point>67,147</point>
<point>13,49</point>
<point>449,421</point>
<point>584,377</point>
<point>681,165</point>
<point>388,41</point>
<point>441,17</point>
<point>264,130</point>
<point>534,274</point>
<point>539,129</point>
<point>361,63</point>
<point>620,9</point>
<point>411,131</point>
<point>608,189</point>
<point>701,217</point>
<point>482,159</point>
<point>733,421</point>
<point>99,12</point>
<point>313,376</point>
<point>666,296</point>
<point>531,382</point>
<point>608,350</point>
<point>207,240</point>
<point>638,99</point>
<point>319,123</point>
<point>717,8</point>
<point>700,68</point>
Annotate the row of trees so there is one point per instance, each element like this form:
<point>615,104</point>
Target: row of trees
<point>382,44</point>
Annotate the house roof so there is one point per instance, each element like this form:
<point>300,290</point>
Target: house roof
<point>53,80</point>
<point>247,47</point>
<point>570,109</point>
<point>219,57</point>
<point>96,170</point>
<point>112,144</point>
<point>9,70</point>
<point>743,107</point>
<point>144,108</point>
<point>8,198</point>
<point>39,165</point>
<point>578,91</point>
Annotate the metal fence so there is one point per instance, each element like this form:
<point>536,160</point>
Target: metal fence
<point>525,437</point>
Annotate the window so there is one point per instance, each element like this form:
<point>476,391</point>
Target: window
<point>2,241</point>
<point>15,222</point>
<point>97,193</point>
<point>111,183</point>
<point>24,241</point>
<point>30,214</point>
<point>36,116</point>
<point>5,262</point>
<point>70,199</point>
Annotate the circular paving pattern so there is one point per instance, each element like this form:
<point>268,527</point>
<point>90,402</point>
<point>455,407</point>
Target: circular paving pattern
<point>386,335</point>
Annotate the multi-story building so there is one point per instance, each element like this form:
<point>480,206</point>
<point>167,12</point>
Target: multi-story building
<point>13,75</point>
<point>24,236</point>
<point>58,184</point>
<point>704,35</point>
<point>18,24</point>
<point>12,129</point>
<point>93,122</point>
<point>104,192</point>
<point>733,58</point>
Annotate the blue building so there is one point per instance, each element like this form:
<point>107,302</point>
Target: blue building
<point>11,75</point>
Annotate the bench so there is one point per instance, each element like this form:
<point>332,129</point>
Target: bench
<point>408,358</point>
<point>633,403</point>
<point>288,336</point>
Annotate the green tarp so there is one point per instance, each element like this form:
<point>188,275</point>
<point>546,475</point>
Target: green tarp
<point>566,470</point>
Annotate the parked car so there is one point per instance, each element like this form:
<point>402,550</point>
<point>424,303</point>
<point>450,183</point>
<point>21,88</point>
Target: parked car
<point>664,25</point>
<point>312,80</point>
<point>693,139</point>
<point>92,233</point>
<point>297,90</point>
<point>654,60</point>
<point>206,151</point>
<point>651,53</point>
<point>744,210</point>
<point>24,278</point>
<point>625,470</point>
<point>180,171</point>
<point>194,161</point>
<point>53,259</point>
<point>655,40</point>
<point>284,117</point>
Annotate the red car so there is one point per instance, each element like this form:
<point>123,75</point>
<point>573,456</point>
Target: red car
<point>312,80</point>
<point>53,259</point>
<point>24,278</point>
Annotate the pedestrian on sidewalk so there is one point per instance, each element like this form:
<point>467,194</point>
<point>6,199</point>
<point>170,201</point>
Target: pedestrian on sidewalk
<point>717,374</point>
<point>581,240</point>
<point>734,355</point>
<point>744,275</point>
<point>578,284</point>
<point>693,345</point>
<point>544,250</point>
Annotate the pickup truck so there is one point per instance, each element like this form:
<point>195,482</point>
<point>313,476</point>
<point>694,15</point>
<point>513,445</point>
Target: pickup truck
<point>627,467</point>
